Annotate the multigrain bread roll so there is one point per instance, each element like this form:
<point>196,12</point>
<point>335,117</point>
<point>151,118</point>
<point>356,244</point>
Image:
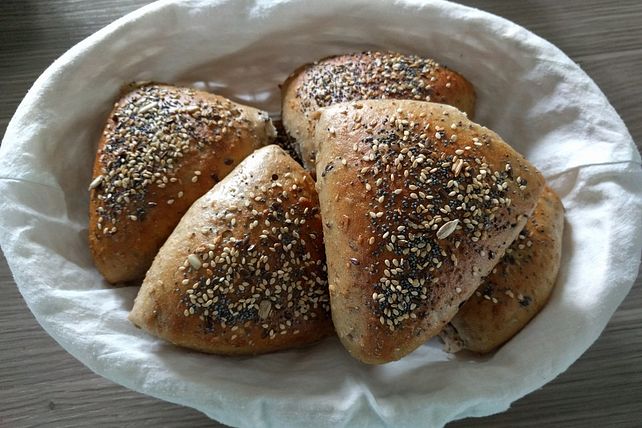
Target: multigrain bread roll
<point>518,287</point>
<point>362,76</point>
<point>244,271</point>
<point>418,205</point>
<point>162,148</point>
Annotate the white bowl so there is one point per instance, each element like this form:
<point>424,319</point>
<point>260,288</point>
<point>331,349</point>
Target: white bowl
<point>529,92</point>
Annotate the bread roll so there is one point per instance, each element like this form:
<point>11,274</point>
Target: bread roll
<point>244,271</point>
<point>518,287</point>
<point>418,205</point>
<point>161,149</point>
<point>362,76</point>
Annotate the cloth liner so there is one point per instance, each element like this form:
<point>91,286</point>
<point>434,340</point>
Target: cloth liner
<point>529,92</point>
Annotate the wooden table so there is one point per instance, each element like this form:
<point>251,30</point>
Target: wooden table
<point>41,385</point>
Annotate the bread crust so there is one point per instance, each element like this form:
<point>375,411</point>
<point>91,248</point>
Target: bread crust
<point>418,205</point>
<point>161,149</point>
<point>518,287</point>
<point>244,270</point>
<point>361,76</point>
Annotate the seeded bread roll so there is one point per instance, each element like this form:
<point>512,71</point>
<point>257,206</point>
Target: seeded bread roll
<point>418,205</point>
<point>244,271</point>
<point>162,148</point>
<point>518,287</point>
<point>363,76</point>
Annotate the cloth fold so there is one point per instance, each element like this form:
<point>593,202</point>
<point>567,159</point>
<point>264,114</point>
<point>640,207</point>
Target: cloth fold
<point>529,92</point>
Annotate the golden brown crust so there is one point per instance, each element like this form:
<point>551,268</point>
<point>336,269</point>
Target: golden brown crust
<point>418,204</point>
<point>161,149</point>
<point>518,287</point>
<point>362,76</point>
<point>244,271</point>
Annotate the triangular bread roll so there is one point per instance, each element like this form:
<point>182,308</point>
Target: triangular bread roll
<point>244,271</point>
<point>162,148</point>
<point>365,76</point>
<point>418,205</point>
<point>518,287</point>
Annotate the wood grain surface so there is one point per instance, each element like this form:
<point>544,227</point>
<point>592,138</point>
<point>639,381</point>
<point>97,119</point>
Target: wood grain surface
<point>42,385</point>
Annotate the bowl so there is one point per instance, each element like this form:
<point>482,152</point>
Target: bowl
<point>532,94</point>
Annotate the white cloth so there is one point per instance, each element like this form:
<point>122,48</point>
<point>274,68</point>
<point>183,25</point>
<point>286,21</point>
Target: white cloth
<point>529,92</point>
